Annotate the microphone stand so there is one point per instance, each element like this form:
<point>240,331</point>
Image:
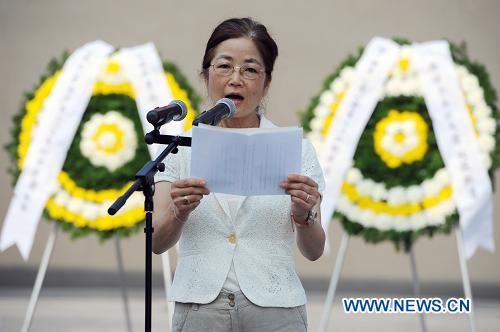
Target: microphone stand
<point>145,182</point>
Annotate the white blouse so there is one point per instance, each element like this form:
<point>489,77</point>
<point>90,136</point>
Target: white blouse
<point>233,201</point>
<point>258,243</point>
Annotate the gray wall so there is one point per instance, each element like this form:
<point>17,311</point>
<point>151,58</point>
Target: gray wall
<point>312,36</point>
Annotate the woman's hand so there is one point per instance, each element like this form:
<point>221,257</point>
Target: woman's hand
<point>304,194</point>
<point>186,195</point>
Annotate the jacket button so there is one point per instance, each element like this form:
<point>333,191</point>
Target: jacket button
<point>231,303</point>
<point>232,238</point>
<point>231,297</point>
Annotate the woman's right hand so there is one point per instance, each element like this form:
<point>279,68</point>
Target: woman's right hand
<point>186,195</point>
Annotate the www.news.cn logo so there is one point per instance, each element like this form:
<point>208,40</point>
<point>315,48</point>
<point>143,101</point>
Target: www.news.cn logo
<point>406,305</point>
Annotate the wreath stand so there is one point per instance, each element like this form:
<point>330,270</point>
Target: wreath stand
<point>339,261</point>
<point>42,271</point>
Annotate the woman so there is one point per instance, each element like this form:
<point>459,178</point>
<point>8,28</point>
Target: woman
<point>235,267</point>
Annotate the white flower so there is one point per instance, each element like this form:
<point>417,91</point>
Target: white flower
<point>383,221</point>
<point>486,143</point>
<point>397,196</point>
<point>86,146</point>
<point>393,87</point>
<point>406,51</point>
<point>343,204</point>
<point>448,207</point>
<point>338,86</point>
<point>137,199</point>
<point>317,124</point>
<point>407,88</point>
<point>411,87</point>
<point>327,98</point>
<point>367,218</point>
<point>91,211</point>
<point>108,140</point>
<point>354,176</point>
<point>379,192</point>
<point>321,111</point>
<point>98,159</point>
<point>469,82</point>
<point>396,72</point>
<point>62,198</point>
<point>114,162</point>
<point>401,224</point>
<point>314,136</point>
<point>414,194</point>
<point>346,74</point>
<point>417,221</point>
<point>365,187</point>
<point>431,188</point>
<point>348,209</point>
<point>442,177</point>
<point>76,205</point>
<point>482,110</point>
<point>111,72</point>
<point>434,216</point>
<point>355,213</point>
<point>461,71</point>
<point>102,209</point>
<point>486,125</point>
<point>487,161</point>
<point>475,96</point>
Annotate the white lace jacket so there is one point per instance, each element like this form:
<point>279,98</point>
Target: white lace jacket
<point>260,241</point>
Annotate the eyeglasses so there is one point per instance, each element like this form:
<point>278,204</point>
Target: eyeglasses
<point>248,71</point>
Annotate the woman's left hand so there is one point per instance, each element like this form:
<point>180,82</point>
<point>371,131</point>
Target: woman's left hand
<point>304,193</point>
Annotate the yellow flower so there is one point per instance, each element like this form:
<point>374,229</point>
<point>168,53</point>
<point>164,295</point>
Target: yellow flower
<point>406,209</point>
<point>180,94</point>
<point>401,138</point>
<point>333,110</point>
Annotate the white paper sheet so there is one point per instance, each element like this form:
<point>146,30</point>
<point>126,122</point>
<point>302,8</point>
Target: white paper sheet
<point>247,162</point>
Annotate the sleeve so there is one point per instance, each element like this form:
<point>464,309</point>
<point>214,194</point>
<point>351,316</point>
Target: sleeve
<point>172,166</point>
<point>311,166</point>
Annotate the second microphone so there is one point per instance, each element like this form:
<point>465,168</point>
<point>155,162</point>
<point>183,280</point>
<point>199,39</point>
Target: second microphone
<point>176,110</point>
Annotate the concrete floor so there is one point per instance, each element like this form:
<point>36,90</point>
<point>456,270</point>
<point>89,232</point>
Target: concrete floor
<point>95,309</point>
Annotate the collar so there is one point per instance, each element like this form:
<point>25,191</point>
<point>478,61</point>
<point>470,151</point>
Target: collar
<point>264,122</point>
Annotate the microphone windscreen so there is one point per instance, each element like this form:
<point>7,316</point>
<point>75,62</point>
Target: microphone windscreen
<point>230,104</point>
<point>183,107</point>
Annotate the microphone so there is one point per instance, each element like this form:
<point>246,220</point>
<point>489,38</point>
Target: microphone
<point>176,111</point>
<point>224,108</point>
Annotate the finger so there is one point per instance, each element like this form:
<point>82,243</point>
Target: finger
<point>189,207</point>
<point>188,199</point>
<point>301,204</point>
<point>300,186</point>
<point>179,192</point>
<point>184,203</point>
<point>309,200</point>
<point>184,210</point>
<point>292,177</point>
<point>190,182</point>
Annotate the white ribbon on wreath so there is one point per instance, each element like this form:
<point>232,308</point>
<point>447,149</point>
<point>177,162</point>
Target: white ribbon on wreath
<point>57,124</point>
<point>457,143</point>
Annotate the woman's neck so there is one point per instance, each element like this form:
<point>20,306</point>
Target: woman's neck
<point>247,122</point>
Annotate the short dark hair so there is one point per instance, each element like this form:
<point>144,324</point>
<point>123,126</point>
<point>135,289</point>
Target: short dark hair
<point>246,28</point>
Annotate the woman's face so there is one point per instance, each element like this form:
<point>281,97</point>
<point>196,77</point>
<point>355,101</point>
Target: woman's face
<point>245,93</point>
